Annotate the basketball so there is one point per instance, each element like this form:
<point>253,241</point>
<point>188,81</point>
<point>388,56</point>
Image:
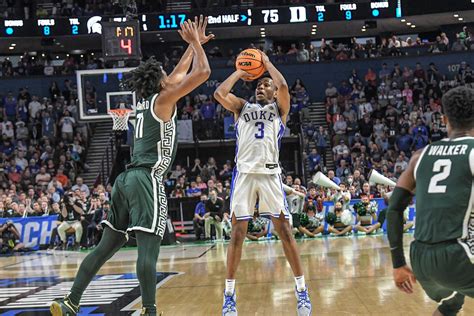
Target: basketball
<point>250,60</point>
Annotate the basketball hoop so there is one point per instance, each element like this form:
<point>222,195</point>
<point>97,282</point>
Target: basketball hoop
<point>120,117</point>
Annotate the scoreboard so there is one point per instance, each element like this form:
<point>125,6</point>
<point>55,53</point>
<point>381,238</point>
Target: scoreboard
<point>121,40</point>
<point>256,16</point>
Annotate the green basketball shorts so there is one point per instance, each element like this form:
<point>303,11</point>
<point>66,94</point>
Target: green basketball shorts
<point>138,202</point>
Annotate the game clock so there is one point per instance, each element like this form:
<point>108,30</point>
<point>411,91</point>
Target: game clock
<point>121,40</point>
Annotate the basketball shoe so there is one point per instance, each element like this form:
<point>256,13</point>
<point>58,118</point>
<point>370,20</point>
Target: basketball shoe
<point>63,307</point>
<point>304,304</point>
<point>229,308</point>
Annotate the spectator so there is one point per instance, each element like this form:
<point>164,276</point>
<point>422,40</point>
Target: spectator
<point>214,215</point>
<point>193,190</point>
<point>314,159</point>
<point>321,138</point>
<point>81,186</point>
<point>302,56</point>
<point>199,217</point>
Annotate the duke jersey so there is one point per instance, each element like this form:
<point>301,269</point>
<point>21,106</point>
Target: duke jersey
<point>154,140</point>
<point>445,193</point>
<point>259,131</point>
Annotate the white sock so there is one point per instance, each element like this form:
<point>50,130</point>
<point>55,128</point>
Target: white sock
<point>300,284</point>
<point>230,286</point>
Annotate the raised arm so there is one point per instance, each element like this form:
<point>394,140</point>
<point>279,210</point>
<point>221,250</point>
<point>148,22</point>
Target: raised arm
<point>182,68</point>
<point>200,71</point>
<point>283,94</point>
<point>228,100</point>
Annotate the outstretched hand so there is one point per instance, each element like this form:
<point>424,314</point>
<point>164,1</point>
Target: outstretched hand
<point>189,32</point>
<point>201,26</point>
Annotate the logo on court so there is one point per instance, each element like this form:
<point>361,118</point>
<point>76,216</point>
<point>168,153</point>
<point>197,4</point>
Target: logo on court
<point>115,294</point>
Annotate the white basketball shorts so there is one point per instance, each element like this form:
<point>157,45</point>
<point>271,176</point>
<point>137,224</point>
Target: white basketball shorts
<point>250,188</point>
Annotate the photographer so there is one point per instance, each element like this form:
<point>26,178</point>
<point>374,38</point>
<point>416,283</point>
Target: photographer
<point>10,238</point>
<point>72,211</point>
<point>214,215</point>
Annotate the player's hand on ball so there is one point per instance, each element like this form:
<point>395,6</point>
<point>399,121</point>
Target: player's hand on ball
<point>201,26</point>
<point>245,76</point>
<point>404,279</point>
<point>265,59</point>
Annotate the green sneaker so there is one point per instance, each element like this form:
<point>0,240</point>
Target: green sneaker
<point>147,312</point>
<point>63,307</point>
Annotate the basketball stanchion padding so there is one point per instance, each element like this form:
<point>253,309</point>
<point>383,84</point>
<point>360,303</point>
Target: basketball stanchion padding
<point>120,117</point>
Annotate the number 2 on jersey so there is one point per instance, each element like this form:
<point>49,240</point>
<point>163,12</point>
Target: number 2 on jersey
<point>139,126</point>
<point>261,130</point>
<point>443,166</point>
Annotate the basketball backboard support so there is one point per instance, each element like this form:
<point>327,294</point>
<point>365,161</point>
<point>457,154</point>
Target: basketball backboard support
<point>101,90</point>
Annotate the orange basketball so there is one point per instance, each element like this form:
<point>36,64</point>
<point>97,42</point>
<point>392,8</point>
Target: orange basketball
<point>250,60</point>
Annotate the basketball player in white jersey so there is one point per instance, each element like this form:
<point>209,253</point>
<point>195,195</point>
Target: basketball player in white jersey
<point>259,127</point>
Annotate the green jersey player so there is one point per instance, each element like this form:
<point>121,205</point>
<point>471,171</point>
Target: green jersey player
<point>441,176</point>
<point>139,202</point>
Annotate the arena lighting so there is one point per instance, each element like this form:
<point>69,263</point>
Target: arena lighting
<point>92,54</point>
<point>460,19</point>
<point>67,55</point>
<point>413,26</point>
<point>363,30</point>
<point>11,48</point>
<point>57,57</point>
<point>408,23</point>
<point>42,55</point>
<point>456,15</point>
<point>13,44</point>
<point>262,29</point>
<point>403,20</point>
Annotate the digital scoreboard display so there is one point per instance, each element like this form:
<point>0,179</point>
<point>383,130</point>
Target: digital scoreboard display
<point>230,17</point>
<point>121,40</point>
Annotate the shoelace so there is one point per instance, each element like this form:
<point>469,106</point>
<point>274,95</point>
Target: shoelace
<point>229,305</point>
<point>303,300</point>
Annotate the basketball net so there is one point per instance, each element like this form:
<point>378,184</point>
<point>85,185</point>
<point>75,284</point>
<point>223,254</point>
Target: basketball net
<point>120,118</point>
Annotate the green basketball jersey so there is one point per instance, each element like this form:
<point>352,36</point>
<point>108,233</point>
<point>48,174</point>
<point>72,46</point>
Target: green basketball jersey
<point>445,192</point>
<point>154,140</point>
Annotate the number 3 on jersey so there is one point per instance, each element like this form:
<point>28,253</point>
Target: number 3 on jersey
<point>261,130</point>
<point>139,126</point>
<point>443,167</point>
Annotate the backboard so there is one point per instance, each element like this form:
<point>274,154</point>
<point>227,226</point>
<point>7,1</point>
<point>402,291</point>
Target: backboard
<point>102,90</point>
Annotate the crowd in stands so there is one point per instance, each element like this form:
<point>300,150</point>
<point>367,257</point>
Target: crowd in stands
<point>42,150</point>
<point>378,119</point>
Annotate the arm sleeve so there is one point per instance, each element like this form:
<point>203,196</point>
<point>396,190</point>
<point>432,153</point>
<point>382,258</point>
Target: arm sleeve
<point>399,200</point>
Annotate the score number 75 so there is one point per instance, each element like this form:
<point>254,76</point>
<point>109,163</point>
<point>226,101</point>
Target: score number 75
<point>270,16</point>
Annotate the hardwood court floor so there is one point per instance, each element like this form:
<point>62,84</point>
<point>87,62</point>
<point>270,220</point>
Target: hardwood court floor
<point>346,276</point>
